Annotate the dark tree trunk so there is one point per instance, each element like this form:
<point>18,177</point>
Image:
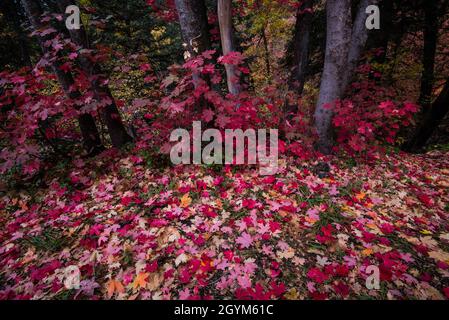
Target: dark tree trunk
<point>300,46</point>
<point>431,27</point>
<point>110,113</point>
<point>301,41</point>
<point>11,9</point>
<point>432,119</point>
<point>194,26</point>
<point>195,33</point>
<point>227,42</point>
<point>267,53</point>
<point>381,38</point>
<point>337,48</point>
<point>88,128</point>
<point>263,38</point>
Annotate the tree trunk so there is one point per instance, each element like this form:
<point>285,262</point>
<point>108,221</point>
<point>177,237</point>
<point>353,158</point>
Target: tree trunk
<point>88,128</point>
<point>344,46</point>
<point>432,119</point>
<point>301,40</point>
<point>194,27</point>
<point>227,43</point>
<point>110,113</point>
<point>337,48</point>
<point>11,12</point>
<point>359,36</point>
<point>267,54</point>
<point>381,38</point>
<point>431,27</point>
<point>195,33</point>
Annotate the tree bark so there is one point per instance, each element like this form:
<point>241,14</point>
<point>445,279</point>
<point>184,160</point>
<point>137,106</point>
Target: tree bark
<point>227,42</point>
<point>301,43</point>
<point>266,53</point>
<point>359,36</point>
<point>195,33</point>
<point>88,128</point>
<point>432,119</point>
<point>344,45</point>
<point>338,37</point>
<point>194,27</point>
<point>431,27</point>
<point>110,113</point>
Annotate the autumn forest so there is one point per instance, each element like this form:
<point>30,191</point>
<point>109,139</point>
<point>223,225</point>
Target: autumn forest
<point>224,149</point>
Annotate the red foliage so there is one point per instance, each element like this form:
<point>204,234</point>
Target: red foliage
<point>371,118</point>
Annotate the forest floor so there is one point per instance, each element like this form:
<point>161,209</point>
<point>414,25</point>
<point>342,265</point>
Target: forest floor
<point>206,232</point>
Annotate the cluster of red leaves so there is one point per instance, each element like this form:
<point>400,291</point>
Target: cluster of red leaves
<point>195,95</point>
<point>165,10</point>
<point>35,111</point>
<point>370,118</point>
<point>24,105</point>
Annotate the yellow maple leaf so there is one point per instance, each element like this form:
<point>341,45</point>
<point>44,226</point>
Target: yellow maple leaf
<point>185,201</point>
<point>114,286</point>
<point>141,280</point>
<point>292,294</point>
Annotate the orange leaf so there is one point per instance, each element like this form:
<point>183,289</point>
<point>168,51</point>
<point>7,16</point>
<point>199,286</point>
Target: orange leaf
<point>114,286</point>
<point>185,201</point>
<point>367,252</point>
<point>141,280</point>
<point>360,196</point>
<point>219,204</point>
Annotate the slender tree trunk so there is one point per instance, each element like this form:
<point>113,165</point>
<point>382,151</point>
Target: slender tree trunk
<point>227,43</point>
<point>337,48</point>
<point>267,53</point>
<point>359,36</point>
<point>109,113</point>
<point>432,119</point>
<point>88,128</point>
<point>301,43</point>
<point>263,37</point>
<point>431,27</point>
